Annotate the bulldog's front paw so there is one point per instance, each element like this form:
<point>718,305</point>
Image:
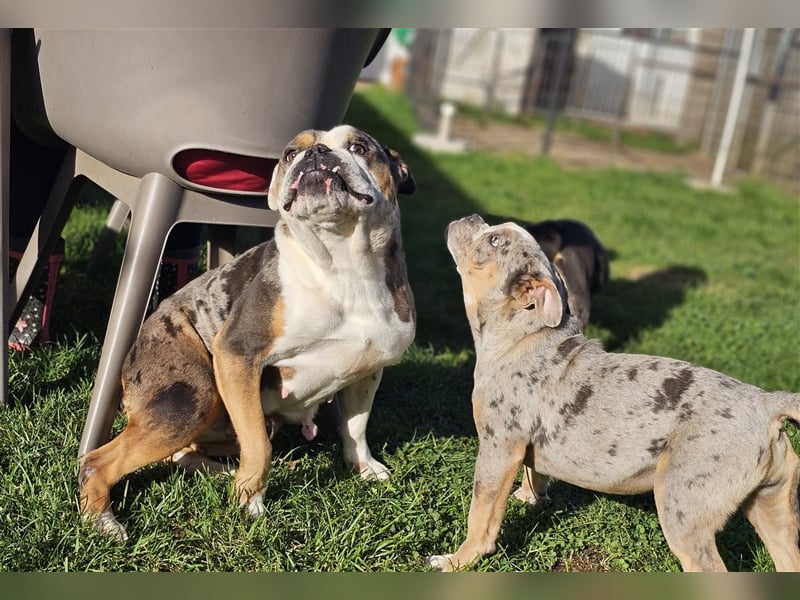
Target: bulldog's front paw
<point>441,562</point>
<point>373,470</point>
<point>253,504</point>
<point>108,525</point>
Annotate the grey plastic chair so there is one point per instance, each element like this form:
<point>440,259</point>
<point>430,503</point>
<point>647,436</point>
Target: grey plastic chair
<point>134,103</point>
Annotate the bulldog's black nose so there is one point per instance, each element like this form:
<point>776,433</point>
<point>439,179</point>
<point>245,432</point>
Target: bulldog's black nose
<point>317,149</point>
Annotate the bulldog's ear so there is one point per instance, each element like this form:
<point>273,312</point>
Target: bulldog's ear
<point>272,192</point>
<point>405,180</point>
<point>540,295</point>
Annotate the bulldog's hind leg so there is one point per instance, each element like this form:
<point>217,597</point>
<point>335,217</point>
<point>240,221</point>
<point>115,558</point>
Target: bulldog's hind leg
<point>689,527</point>
<point>773,508</point>
<point>157,427</point>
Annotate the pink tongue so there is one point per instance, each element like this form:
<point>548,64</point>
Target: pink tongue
<point>328,186</point>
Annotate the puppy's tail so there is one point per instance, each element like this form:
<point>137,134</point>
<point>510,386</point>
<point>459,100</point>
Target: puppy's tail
<point>787,405</point>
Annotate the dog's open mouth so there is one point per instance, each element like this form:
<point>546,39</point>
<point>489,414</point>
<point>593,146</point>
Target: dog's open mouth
<point>322,182</point>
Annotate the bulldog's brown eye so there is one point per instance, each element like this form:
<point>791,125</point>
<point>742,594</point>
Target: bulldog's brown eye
<point>289,155</point>
<point>357,148</point>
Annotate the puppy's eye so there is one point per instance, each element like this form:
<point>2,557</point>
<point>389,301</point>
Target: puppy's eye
<point>357,148</point>
<point>494,241</point>
<point>290,153</point>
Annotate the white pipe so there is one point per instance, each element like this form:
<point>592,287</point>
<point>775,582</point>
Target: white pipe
<point>734,105</point>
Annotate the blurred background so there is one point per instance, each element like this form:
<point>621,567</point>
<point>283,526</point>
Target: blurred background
<point>719,103</point>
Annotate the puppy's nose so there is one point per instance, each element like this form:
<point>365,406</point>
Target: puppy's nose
<point>317,149</point>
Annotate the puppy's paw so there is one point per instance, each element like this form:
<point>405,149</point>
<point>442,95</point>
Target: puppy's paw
<point>373,470</point>
<point>108,525</point>
<point>528,496</point>
<point>441,562</point>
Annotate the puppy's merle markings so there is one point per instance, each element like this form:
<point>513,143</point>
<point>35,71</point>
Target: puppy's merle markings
<point>318,310</point>
<point>704,443</point>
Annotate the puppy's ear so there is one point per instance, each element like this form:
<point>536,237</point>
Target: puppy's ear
<point>540,295</point>
<point>405,180</point>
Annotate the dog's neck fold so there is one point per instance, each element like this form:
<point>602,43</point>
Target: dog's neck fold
<point>500,333</point>
<point>330,247</point>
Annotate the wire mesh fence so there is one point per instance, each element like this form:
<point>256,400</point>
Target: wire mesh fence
<point>679,83</point>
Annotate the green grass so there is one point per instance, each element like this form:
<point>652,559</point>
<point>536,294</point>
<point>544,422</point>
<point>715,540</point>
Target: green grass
<point>707,277</point>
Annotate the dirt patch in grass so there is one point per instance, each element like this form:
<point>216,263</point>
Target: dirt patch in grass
<point>587,560</point>
<point>573,151</point>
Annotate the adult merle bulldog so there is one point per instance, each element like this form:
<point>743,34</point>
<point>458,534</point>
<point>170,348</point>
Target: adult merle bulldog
<point>319,309</point>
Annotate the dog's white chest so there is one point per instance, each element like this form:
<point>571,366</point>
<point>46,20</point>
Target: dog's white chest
<point>335,333</point>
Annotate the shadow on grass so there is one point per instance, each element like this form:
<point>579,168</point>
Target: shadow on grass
<point>627,307</point>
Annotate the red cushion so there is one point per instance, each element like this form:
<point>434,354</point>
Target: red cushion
<point>224,170</point>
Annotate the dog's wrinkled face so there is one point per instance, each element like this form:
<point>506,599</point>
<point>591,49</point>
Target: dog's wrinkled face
<point>335,175</point>
<point>503,270</point>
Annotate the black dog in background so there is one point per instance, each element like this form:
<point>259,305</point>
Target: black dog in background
<point>577,255</point>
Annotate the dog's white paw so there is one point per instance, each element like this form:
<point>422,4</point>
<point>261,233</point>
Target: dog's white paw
<point>529,497</point>
<point>441,562</point>
<point>108,525</point>
<point>373,470</point>
<point>255,506</point>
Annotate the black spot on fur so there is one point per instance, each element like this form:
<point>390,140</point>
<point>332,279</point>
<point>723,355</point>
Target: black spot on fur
<point>578,405</point>
<point>175,403</point>
<point>397,280</point>
<point>632,372</point>
<point>487,429</point>
<point>680,515</point>
<point>725,413</point>
<point>654,365</point>
<point>539,435</point>
<point>716,457</point>
<point>672,389</point>
<point>687,411</point>
<point>612,451</point>
<point>169,326</point>
<point>567,346</point>
<point>657,447</point>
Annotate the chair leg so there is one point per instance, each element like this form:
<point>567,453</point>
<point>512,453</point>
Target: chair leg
<point>156,209</point>
<point>221,246</point>
<point>44,237</point>
<point>115,221</point>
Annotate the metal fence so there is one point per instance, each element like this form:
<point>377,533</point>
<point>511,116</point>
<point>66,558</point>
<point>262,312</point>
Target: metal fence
<point>679,82</point>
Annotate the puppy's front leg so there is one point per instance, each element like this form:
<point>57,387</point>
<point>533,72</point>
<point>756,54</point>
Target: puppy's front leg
<point>495,472</point>
<point>238,384</point>
<point>355,403</point>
